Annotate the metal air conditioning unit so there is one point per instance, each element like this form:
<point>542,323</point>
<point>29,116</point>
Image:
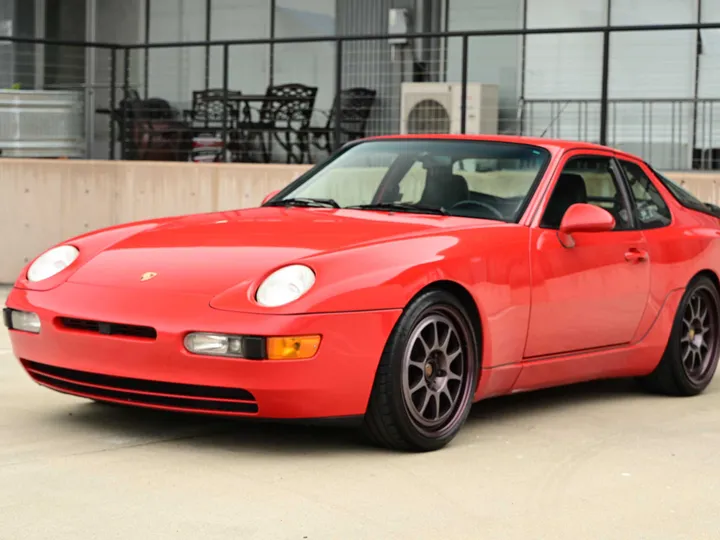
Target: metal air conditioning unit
<point>436,108</point>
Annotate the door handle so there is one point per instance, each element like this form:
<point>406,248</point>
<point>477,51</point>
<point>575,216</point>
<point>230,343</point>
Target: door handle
<point>634,255</point>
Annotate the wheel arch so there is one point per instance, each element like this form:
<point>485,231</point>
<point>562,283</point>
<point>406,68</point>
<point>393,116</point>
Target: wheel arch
<point>667,376</point>
<point>468,302</point>
<point>711,275</point>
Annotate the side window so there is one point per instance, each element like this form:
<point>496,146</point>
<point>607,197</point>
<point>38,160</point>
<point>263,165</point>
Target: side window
<point>650,208</point>
<point>590,180</point>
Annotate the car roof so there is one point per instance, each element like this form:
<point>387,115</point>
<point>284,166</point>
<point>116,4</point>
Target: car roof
<point>550,144</point>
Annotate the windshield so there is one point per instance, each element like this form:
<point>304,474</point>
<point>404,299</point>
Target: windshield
<point>477,179</point>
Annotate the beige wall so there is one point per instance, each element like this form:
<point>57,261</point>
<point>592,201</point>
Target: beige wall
<point>43,202</point>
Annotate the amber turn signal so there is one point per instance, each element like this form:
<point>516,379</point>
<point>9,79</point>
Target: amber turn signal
<point>292,348</point>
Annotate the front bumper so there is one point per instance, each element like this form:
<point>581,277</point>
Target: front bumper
<point>158,372</point>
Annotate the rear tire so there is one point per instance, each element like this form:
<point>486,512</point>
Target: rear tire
<point>691,357</point>
<point>427,376</point>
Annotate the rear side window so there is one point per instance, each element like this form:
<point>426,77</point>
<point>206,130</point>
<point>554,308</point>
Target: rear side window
<point>683,197</point>
<point>650,209</point>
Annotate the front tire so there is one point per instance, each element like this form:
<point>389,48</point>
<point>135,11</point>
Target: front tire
<point>427,376</point>
<point>691,357</point>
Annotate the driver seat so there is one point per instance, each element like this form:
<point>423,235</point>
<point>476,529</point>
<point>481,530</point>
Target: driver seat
<point>445,192</point>
<point>570,189</point>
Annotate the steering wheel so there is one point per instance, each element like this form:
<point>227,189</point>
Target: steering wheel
<point>494,211</point>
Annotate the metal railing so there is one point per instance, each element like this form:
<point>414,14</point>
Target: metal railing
<point>674,134</point>
<point>680,132</point>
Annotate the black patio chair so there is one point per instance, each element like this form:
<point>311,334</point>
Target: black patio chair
<point>211,116</point>
<point>284,116</point>
<point>355,105</point>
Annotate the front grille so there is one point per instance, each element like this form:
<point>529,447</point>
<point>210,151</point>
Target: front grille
<point>212,399</point>
<point>108,329</point>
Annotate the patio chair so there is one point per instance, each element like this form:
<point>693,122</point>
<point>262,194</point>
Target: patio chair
<point>355,105</point>
<point>283,116</point>
<point>148,129</point>
<point>206,120</point>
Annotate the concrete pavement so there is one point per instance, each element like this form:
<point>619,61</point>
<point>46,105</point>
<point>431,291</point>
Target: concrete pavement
<point>599,461</point>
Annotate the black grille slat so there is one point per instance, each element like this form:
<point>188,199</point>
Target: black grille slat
<point>145,399</point>
<point>107,328</point>
<point>141,385</point>
<point>7,317</point>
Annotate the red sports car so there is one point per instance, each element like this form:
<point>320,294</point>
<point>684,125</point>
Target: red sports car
<point>397,283</point>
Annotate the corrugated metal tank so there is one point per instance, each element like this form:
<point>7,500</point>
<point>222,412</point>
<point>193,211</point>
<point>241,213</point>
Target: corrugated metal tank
<point>37,123</point>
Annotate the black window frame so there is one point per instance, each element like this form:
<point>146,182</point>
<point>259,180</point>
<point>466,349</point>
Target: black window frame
<point>639,225</point>
<point>619,178</point>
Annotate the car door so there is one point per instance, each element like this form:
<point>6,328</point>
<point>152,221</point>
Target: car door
<point>593,294</point>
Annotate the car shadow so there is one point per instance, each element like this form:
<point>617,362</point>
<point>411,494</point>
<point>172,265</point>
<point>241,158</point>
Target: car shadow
<point>145,427</point>
<point>140,426</point>
<point>555,399</point>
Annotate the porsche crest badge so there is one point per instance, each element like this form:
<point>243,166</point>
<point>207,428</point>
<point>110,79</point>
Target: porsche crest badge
<point>147,276</point>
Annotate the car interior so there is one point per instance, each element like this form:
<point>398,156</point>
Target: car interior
<point>572,188</point>
<point>444,184</point>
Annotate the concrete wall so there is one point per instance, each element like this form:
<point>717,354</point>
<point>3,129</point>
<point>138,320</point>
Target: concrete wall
<point>43,202</point>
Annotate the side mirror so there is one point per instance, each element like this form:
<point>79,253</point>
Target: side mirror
<point>269,196</point>
<point>585,218</point>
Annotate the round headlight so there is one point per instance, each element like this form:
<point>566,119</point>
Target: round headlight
<point>285,285</point>
<point>52,262</point>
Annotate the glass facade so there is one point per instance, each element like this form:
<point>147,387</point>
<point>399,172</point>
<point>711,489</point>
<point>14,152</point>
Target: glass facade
<point>548,83</point>
<point>176,72</point>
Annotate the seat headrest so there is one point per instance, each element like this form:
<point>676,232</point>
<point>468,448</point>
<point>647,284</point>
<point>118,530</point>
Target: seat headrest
<point>570,189</point>
<point>572,183</point>
<point>445,191</point>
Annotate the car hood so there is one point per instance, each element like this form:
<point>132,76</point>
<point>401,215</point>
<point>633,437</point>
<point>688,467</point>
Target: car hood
<point>210,253</point>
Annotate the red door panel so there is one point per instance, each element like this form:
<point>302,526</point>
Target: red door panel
<point>589,296</point>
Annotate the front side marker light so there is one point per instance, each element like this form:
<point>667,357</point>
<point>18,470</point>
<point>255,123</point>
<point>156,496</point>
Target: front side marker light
<point>23,321</point>
<point>292,348</point>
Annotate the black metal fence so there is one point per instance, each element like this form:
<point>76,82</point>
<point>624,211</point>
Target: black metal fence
<point>215,101</point>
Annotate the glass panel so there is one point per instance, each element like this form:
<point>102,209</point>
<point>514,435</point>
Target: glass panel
<point>651,210</point>
<point>648,12</point>
<point>486,180</point>
<point>492,60</point>
<point>587,180</point>
<point>249,64</point>
<point>652,65</point>
<point>564,13</point>
<point>310,64</point>
<point>413,184</point>
<point>65,21</point>
<point>176,71</point>
<point>563,84</point>
<point>303,19</point>
<point>563,72</point>
<point>708,123</point>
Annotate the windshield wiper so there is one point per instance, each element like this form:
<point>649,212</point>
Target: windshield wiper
<point>401,207</point>
<point>306,202</point>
